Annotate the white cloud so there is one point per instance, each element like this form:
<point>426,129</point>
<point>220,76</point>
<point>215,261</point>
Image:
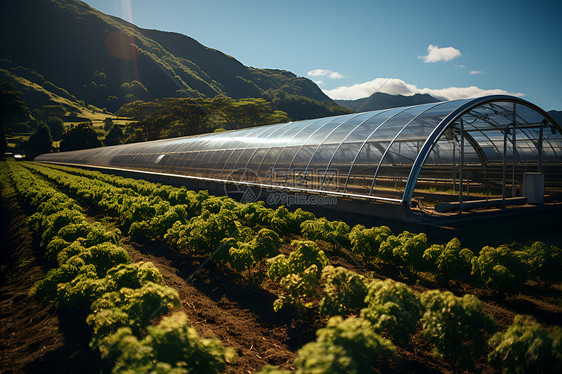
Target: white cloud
<point>475,72</point>
<point>436,54</point>
<point>325,73</point>
<point>320,83</point>
<point>395,86</point>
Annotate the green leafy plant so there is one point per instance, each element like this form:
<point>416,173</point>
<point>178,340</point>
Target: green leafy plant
<point>366,242</point>
<point>246,254</point>
<point>344,291</point>
<point>333,232</point>
<point>203,234</point>
<point>138,306</point>
<point>449,261</point>
<point>545,262</point>
<point>502,269</point>
<point>526,347</point>
<point>456,326</point>
<point>344,346</point>
<point>392,308</point>
<point>298,289</point>
<point>299,274</point>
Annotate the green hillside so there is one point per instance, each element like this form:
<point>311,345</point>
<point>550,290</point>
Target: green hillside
<point>105,61</point>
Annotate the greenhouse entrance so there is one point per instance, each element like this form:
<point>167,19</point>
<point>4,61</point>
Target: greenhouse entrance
<point>496,155</point>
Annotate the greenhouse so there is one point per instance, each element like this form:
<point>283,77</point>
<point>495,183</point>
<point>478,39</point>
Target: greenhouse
<point>493,148</point>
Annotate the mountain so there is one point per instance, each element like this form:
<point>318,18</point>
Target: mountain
<point>106,61</point>
<point>380,100</point>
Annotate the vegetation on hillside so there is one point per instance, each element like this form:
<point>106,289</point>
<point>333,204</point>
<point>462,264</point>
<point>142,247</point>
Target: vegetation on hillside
<point>171,117</point>
<point>110,62</point>
<point>12,110</point>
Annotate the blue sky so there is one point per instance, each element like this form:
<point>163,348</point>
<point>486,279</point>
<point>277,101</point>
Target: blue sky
<point>354,48</point>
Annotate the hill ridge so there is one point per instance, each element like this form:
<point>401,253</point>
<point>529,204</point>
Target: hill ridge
<point>107,61</point>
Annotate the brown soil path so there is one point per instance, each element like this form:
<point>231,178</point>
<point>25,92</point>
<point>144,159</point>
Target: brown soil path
<point>221,303</point>
<point>32,338</point>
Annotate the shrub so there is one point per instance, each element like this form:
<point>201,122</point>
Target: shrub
<point>173,341</point>
<point>170,347</point>
<point>104,256</point>
<point>133,275</point>
<point>203,234</point>
<point>140,305</point>
<point>298,288</point>
<point>245,254</point>
<point>46,289</point>
<point>334,232</point>
<point>299,274</point>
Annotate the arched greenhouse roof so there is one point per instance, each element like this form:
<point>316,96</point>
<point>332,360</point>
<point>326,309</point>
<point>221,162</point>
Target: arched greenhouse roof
<point>376,155</point>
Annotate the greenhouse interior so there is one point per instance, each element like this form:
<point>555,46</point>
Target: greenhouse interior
<point>442,158</point>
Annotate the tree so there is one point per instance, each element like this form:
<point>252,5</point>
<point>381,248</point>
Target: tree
<point>39,142</point>
<point>46,111</point>
<point>167,117</point>
<point>114,136</point>
<point>246,112</point>
<point>56,126</point>
<point>170,117</point>
<point>107,123</point>
<point>12,109</point>
<point>81,136</point>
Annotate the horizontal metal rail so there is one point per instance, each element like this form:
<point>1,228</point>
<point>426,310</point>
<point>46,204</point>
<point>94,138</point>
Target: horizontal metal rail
<point>249,184</point>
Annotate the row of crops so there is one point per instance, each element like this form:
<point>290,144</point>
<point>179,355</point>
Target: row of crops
<point>94,275</point>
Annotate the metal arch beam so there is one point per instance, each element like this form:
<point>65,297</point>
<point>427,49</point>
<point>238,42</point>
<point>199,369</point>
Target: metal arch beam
<point>393,141</point>
<point>365,142</point>
<point>448,120</point>
<point>501,128</point>
<point>479,152</point>
<point>303,144</point>
<point>321,144</point>
<point>239,146</point>
<point>291,125</point>
<point>491,122</point>
<point>376,113</point>
<point>280,129</point>
<point>253,133</point>
<point>312,122</point>
<point>196,147</point>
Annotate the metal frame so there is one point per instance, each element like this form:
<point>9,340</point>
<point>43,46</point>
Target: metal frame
<point>449,120</point>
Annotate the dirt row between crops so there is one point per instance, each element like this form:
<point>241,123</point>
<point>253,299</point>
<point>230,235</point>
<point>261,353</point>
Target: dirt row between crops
<point>222,304</point>
<point>32,337</point>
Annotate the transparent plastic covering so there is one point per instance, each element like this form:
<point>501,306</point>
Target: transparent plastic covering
<point>378,154</point>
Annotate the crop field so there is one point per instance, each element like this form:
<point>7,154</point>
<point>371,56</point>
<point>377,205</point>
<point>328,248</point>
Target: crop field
<point>108,274</point>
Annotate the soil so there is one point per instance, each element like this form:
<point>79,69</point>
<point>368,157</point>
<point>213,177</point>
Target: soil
<point>32,337</point>
<point>222,304</point>
<point>219,303</point>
